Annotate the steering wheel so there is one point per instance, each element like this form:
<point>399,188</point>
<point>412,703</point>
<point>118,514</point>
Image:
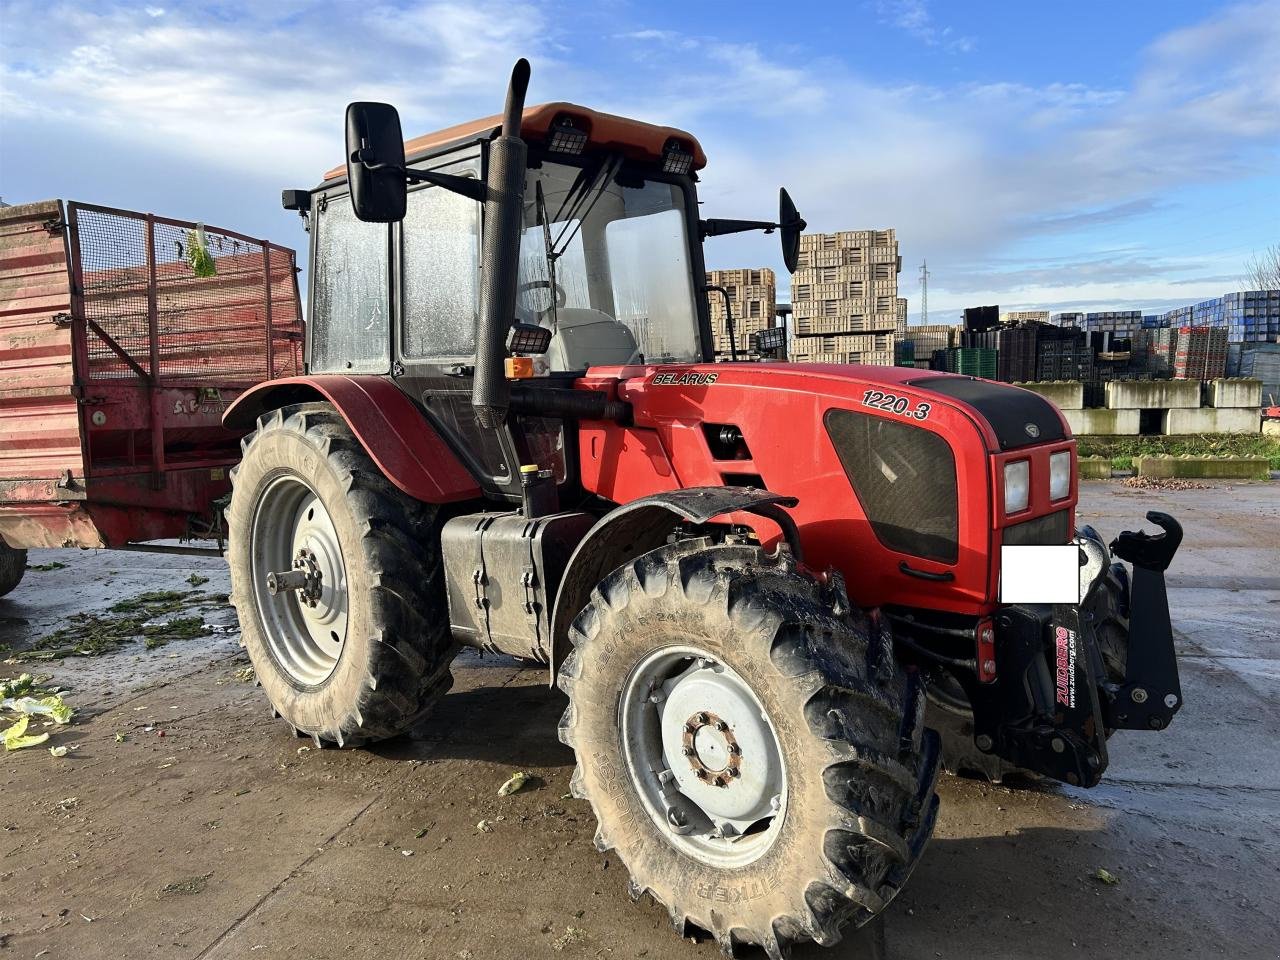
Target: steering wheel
<point>558,291</point>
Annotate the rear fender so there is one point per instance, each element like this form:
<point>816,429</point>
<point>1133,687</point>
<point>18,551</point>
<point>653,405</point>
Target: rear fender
<point>400,440</point>
<point>643,525</point>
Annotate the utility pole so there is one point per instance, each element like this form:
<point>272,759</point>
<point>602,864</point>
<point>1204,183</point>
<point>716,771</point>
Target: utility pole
<point>924,292</point>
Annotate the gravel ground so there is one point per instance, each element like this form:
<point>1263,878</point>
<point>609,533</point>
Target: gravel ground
<point>187,823</point>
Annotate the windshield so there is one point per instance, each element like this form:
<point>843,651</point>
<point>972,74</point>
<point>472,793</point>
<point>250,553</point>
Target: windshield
<point>605,265</point>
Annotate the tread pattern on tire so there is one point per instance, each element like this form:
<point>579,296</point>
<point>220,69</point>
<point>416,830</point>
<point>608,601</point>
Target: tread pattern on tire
<point>862,709</point>
<point>409,670</point>
<point>13,566</point>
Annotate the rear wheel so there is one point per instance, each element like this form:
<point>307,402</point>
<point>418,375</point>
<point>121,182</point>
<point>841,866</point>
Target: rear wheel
<point>748,744</point>
<point>13,565</point>
<point>336,578</point>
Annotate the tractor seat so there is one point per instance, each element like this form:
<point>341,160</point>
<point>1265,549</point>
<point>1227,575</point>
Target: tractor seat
<point>590,338</point>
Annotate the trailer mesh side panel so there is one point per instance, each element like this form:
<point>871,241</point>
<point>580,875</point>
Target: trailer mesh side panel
<point>184,302</point>
<point>905,478</point>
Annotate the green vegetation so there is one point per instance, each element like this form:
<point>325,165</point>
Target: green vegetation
<point>180,628</point>
<point>92,634</point>
<point>46,567</point>
<point>1123,450</point>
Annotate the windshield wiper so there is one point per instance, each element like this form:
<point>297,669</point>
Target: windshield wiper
<point>548,248</point>
<point>608,171</point>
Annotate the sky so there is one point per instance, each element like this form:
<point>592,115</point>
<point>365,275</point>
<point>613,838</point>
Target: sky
<point>1061,156</point>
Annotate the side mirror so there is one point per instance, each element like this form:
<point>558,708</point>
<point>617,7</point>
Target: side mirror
<point>790,225</point>
<point>375,162</point>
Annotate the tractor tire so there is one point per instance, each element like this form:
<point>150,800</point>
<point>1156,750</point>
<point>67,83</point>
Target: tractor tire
<point>13,566</point>
<point>802,694</point>
<point>362,653</point>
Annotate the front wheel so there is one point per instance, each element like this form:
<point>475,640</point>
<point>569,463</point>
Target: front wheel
<point>336,579</point>
<point>748,744</point>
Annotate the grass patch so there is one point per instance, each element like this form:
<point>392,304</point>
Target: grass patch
<point>46,567</point>
<point>1122,451</point>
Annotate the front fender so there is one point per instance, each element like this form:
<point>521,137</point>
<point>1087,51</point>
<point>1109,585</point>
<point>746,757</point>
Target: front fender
<point>399,439</point>
<point>642,525</point>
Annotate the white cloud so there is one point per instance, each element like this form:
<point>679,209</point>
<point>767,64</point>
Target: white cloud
<point>969,171</point>
<point>913,16</point>
<point>264,86</point>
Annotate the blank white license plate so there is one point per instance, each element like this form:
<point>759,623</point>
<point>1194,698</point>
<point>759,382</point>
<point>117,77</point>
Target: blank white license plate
<point>1040,574</point>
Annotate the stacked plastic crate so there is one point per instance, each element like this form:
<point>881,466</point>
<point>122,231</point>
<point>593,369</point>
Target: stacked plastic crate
<point>1200,354</point>
<point>1068,319</point>
<point>1262,361</point>
<point>753,294</point>
<point>1118,323</point>
<point>1063,353</point>
<point>844,298</point>
<point>971,361</point>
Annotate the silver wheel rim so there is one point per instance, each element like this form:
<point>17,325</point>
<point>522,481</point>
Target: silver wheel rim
<point>305,626</point>
<point>704,756</point>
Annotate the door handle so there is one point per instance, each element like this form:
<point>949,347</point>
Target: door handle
<point>945,577</point>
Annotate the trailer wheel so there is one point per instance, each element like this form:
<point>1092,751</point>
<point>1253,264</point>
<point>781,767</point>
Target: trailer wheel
<point>13,566</point>
<point>748,744</point>
<point>336,579</point>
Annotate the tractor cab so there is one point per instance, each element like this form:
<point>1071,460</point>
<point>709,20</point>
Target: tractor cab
<point>602,267</point>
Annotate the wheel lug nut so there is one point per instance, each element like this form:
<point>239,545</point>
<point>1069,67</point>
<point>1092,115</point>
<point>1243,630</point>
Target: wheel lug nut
<point>733,771</point>
<point>721,726</point>
<point>719,781</point>
<point>700,718</point>
<point>687,751</point>
<point>690,728</point>
<point>734,749</point>
<point>702,774</point>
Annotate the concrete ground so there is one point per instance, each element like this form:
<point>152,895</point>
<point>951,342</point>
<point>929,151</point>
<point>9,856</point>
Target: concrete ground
<point>187,823</point>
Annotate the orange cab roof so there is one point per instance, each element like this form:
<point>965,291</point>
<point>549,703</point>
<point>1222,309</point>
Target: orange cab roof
<point>633,138</point>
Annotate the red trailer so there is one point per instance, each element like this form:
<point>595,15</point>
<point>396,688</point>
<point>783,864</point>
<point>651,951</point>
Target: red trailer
<point>123,338</point>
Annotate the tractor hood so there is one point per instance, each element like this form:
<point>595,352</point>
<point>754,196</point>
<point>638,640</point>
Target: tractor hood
<point>1010,417</point>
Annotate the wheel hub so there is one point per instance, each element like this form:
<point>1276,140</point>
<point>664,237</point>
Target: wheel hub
<point>299,580</point>
<point>704,755</point>
<point>712,749</point>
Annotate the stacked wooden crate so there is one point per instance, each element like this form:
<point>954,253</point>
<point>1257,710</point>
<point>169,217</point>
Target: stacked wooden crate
<point>753,294</point>
<point>933,336</point>
<point>844,298</point>
<point>1025,316</point>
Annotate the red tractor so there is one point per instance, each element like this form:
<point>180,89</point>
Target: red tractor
<point>757,583</point>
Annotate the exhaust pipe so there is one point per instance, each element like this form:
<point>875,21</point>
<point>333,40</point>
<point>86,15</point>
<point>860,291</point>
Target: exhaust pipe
<point>500,255</point>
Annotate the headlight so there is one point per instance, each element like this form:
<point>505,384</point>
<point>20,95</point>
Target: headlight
<point>1059,474</point>
<point>1017,486</point>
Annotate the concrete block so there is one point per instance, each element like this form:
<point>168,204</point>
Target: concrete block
<point>1223,468</point>
<point>1064,394</point>
<point>1271,428</point>
<point>1105,423</point>
<point>1244,392</point>
<point>1094,468</point>
<point>1152,394</point>
<point>1211,420</point>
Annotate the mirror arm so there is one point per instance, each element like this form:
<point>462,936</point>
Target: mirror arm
<point>718,228</point>
<point>467,186</point>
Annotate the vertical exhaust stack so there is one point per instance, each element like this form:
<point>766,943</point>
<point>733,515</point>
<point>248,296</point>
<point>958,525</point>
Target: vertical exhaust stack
<point>500,255</point>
